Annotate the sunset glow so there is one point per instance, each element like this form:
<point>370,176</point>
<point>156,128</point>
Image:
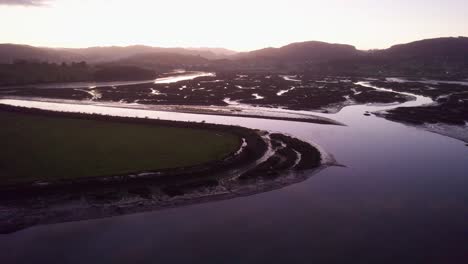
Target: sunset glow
<point>240,25</point>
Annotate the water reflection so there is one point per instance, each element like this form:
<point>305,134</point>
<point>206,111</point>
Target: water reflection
<point>183,76</point>
<point>402,198</point>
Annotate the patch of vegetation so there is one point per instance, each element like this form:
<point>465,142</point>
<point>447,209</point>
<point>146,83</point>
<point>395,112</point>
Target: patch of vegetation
<point>23,72</point>
<point>36,147</point>
<point>27,72</point>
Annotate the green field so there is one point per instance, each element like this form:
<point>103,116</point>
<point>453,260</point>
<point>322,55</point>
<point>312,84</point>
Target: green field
<point>35,147</point>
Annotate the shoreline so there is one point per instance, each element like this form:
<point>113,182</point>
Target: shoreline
<point>138,201</point>
<point>96,84</point>
<point>451,131</point>
<point>42,203</point>
<point>253,149</point>
<point>457,132</point>
<point>190,109</point>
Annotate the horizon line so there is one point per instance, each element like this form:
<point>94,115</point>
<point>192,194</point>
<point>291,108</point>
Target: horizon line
<point>216,47</point>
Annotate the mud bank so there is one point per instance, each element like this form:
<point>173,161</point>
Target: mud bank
<point>37,203</point>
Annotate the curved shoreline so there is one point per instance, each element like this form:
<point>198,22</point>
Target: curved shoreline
<point>192,109</point>
<point>26,205</point>
<point>137,199</point>
<point>254,149</point>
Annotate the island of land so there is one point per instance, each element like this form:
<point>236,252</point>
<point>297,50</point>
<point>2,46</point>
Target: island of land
<point>84,166</point>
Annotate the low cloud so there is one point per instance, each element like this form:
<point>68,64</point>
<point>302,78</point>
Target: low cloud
<point>24,2</point>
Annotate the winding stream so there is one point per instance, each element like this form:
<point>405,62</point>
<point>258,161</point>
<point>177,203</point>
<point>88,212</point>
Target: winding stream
<point>401,196</point>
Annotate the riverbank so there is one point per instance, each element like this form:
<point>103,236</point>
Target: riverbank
<point>44,202</point>
<point>395,172</point>
<point>103,147</point>
<point>232,110</point>
<point>441,107</point>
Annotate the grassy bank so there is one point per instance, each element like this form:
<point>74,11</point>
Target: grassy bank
<point>36,147</point>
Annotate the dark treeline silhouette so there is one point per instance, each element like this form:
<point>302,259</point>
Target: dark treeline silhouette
<point>22,72</point>
<point>25,72</point>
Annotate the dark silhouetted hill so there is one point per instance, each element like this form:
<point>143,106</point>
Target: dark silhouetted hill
<point>430,48</point>
<point>303,52</point>
<point>442,57</point>
<point>9,53</point>
<point>296,55</point>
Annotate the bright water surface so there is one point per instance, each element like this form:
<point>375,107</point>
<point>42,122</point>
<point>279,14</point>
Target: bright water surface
<point>78,85</point>
<point>402,198</point>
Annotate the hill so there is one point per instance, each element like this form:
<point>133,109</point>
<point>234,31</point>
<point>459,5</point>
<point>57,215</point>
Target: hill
<point>430,48</point>
<point>302,52</point>
<point>11,52</point>
<point>439,57</point>
<point>113,53</point>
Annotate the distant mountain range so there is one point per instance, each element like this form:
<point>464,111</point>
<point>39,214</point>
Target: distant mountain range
<point>440,56</point>
<point>12,52</point>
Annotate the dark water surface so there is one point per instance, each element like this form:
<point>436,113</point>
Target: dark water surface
<point>403,198</point>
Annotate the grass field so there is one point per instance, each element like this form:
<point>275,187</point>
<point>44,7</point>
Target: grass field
<point>34,147</point>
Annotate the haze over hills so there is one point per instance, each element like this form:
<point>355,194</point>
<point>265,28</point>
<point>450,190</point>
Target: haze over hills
<point>440,57</point>
<point>12,52</point>
<point>300,52</point>
<point>106,54</point>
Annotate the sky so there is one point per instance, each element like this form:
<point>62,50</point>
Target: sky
<point>239,25</point>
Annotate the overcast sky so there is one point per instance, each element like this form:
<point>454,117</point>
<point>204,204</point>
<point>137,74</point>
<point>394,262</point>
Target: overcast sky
<point>239,25</point>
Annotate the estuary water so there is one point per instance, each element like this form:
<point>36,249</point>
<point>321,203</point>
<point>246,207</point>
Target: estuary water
<point>401,198</point>
<point>182,76</point>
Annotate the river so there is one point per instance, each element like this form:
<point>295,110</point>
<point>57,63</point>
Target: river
<point>181,76</point>
<point>402,197</point>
